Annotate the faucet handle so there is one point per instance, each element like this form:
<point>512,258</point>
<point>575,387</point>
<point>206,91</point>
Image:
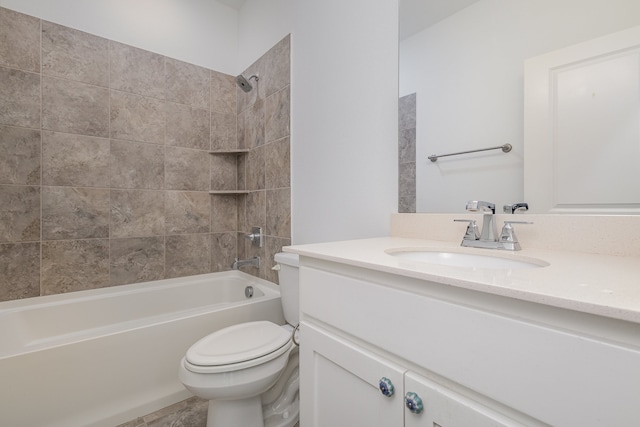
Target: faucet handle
<point>478,205</point>
<point>508,234</point>
<point>516,207</point>
<point>472,232</point>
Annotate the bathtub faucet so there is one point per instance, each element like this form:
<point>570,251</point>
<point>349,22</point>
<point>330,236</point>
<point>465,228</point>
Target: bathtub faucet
<point>255,261</point>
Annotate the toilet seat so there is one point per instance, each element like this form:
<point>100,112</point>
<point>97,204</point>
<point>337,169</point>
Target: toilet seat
<point>238,347</point>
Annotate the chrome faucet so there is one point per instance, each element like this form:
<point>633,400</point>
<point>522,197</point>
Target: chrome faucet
<point>489,230</point>
<point>255,262</point>
<point>488,238</point>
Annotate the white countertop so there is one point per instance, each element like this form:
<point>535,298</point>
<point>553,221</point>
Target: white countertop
<point>604,285</point>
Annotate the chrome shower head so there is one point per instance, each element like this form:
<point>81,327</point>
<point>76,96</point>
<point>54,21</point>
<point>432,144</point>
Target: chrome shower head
<point>243,83</point>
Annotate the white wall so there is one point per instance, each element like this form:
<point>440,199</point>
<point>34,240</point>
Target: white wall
<point>344,119</point>
<point>261,25</point>
<point>468,74</point>
<point>202,32</point>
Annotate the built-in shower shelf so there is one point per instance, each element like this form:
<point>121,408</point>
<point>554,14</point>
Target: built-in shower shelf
<point>229,192</point>
<point>233,152</point>
<point>227,152</point>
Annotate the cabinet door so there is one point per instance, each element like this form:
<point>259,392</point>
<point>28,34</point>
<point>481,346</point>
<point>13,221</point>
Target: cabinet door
<point>443,407</point>
<point>339,383</point>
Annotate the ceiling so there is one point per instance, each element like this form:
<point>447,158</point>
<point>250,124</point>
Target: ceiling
<point>415,15</point>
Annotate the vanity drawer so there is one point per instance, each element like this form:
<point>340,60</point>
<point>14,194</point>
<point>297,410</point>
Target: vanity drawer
<point>559,377</point>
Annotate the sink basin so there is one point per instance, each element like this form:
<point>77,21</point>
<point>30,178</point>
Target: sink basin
<point>454,259</point>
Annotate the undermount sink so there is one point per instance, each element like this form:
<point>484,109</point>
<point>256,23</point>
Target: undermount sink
<point>454,259</point>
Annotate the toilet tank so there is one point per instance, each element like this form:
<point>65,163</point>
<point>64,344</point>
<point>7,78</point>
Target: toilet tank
<point>289,290</point>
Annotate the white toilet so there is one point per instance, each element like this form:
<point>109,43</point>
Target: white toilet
<point>249,371</point>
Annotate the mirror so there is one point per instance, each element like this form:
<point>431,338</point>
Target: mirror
<point>463,66</point>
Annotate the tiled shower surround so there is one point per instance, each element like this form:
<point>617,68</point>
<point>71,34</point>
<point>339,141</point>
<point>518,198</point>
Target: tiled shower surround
<point>105,169</point>
<point>407,154</point>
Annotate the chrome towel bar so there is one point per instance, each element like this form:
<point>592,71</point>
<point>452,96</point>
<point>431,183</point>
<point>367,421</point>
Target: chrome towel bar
<point>505,148</point>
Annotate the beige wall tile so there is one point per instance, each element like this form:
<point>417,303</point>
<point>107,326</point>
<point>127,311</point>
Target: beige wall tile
<point>251,126</point>
<point>224,172</point>
<point>277,115</point>
<point>75,213</point>
<point>19,41</point>
<point>74,55</point>
<point>136,213</point>
<point>74,160</point>
<point>223,131</point>
<point>223,250</point>
<point>136,70</point>
<point>187,126</point>
<point>188,212</point>
<point>407,145</point>
<point>74,107</point>
<point>255,169</point>
<point>20,100</point>
<point>242,172</point>
<point>136,260</point>
<point>407,153</point>
<point>19,156</point>
<point>278,164</point>
<point>407,173</point>
<point>187,83</point>
<point>255,214</point>
<point>136,165</point>
<point>224,213</point>
<point>277,66</point>
<point>19,213</point>
<point>137,118</point>
<point>74,265</point>
<point>19,270</point>
<point>126,158</point>
<point>279,212</point>
<point>187,169</point>
<point>407,204</point>
<point>188,254</point>
<point>223,93</point>
<point>274,68</point>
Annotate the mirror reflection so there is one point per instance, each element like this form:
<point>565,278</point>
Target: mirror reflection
<point>461,88</point>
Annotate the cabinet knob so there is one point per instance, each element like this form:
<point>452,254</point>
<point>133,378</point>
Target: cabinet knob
<point>413,402</point>
<point>386,387</point>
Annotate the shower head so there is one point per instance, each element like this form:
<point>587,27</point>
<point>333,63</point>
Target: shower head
<point>243,83</point>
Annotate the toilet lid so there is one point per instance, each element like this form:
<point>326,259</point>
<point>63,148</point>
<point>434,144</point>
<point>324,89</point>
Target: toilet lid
<point>238,343</point>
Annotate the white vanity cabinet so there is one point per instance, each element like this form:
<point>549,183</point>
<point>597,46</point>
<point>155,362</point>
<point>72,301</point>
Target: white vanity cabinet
<point>341,383</point>
<point>341,387</point>
<point>474,359</point>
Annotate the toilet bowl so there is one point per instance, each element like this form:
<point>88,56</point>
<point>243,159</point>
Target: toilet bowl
<point>236,367</point>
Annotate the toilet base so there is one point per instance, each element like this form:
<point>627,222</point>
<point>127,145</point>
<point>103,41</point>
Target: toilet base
<point>243,412</point>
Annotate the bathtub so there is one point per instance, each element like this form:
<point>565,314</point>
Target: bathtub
<point>106,356</point>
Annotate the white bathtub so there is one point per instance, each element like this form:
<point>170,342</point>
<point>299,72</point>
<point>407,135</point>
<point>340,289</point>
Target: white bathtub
<point>106,356</point>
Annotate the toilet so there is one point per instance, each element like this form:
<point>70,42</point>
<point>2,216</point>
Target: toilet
<point>249,372</point>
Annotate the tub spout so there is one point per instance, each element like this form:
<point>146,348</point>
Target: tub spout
<point>255,262</point>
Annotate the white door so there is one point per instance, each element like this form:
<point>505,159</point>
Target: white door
<point>340,383</point>
<point>441,407</point>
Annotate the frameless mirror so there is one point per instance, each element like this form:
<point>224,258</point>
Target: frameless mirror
<point>463,70</point>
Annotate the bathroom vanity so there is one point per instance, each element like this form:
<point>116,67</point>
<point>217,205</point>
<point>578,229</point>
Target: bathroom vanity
<point>391,341</point>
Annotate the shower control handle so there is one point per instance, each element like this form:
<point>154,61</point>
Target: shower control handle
<point>255,236</point>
